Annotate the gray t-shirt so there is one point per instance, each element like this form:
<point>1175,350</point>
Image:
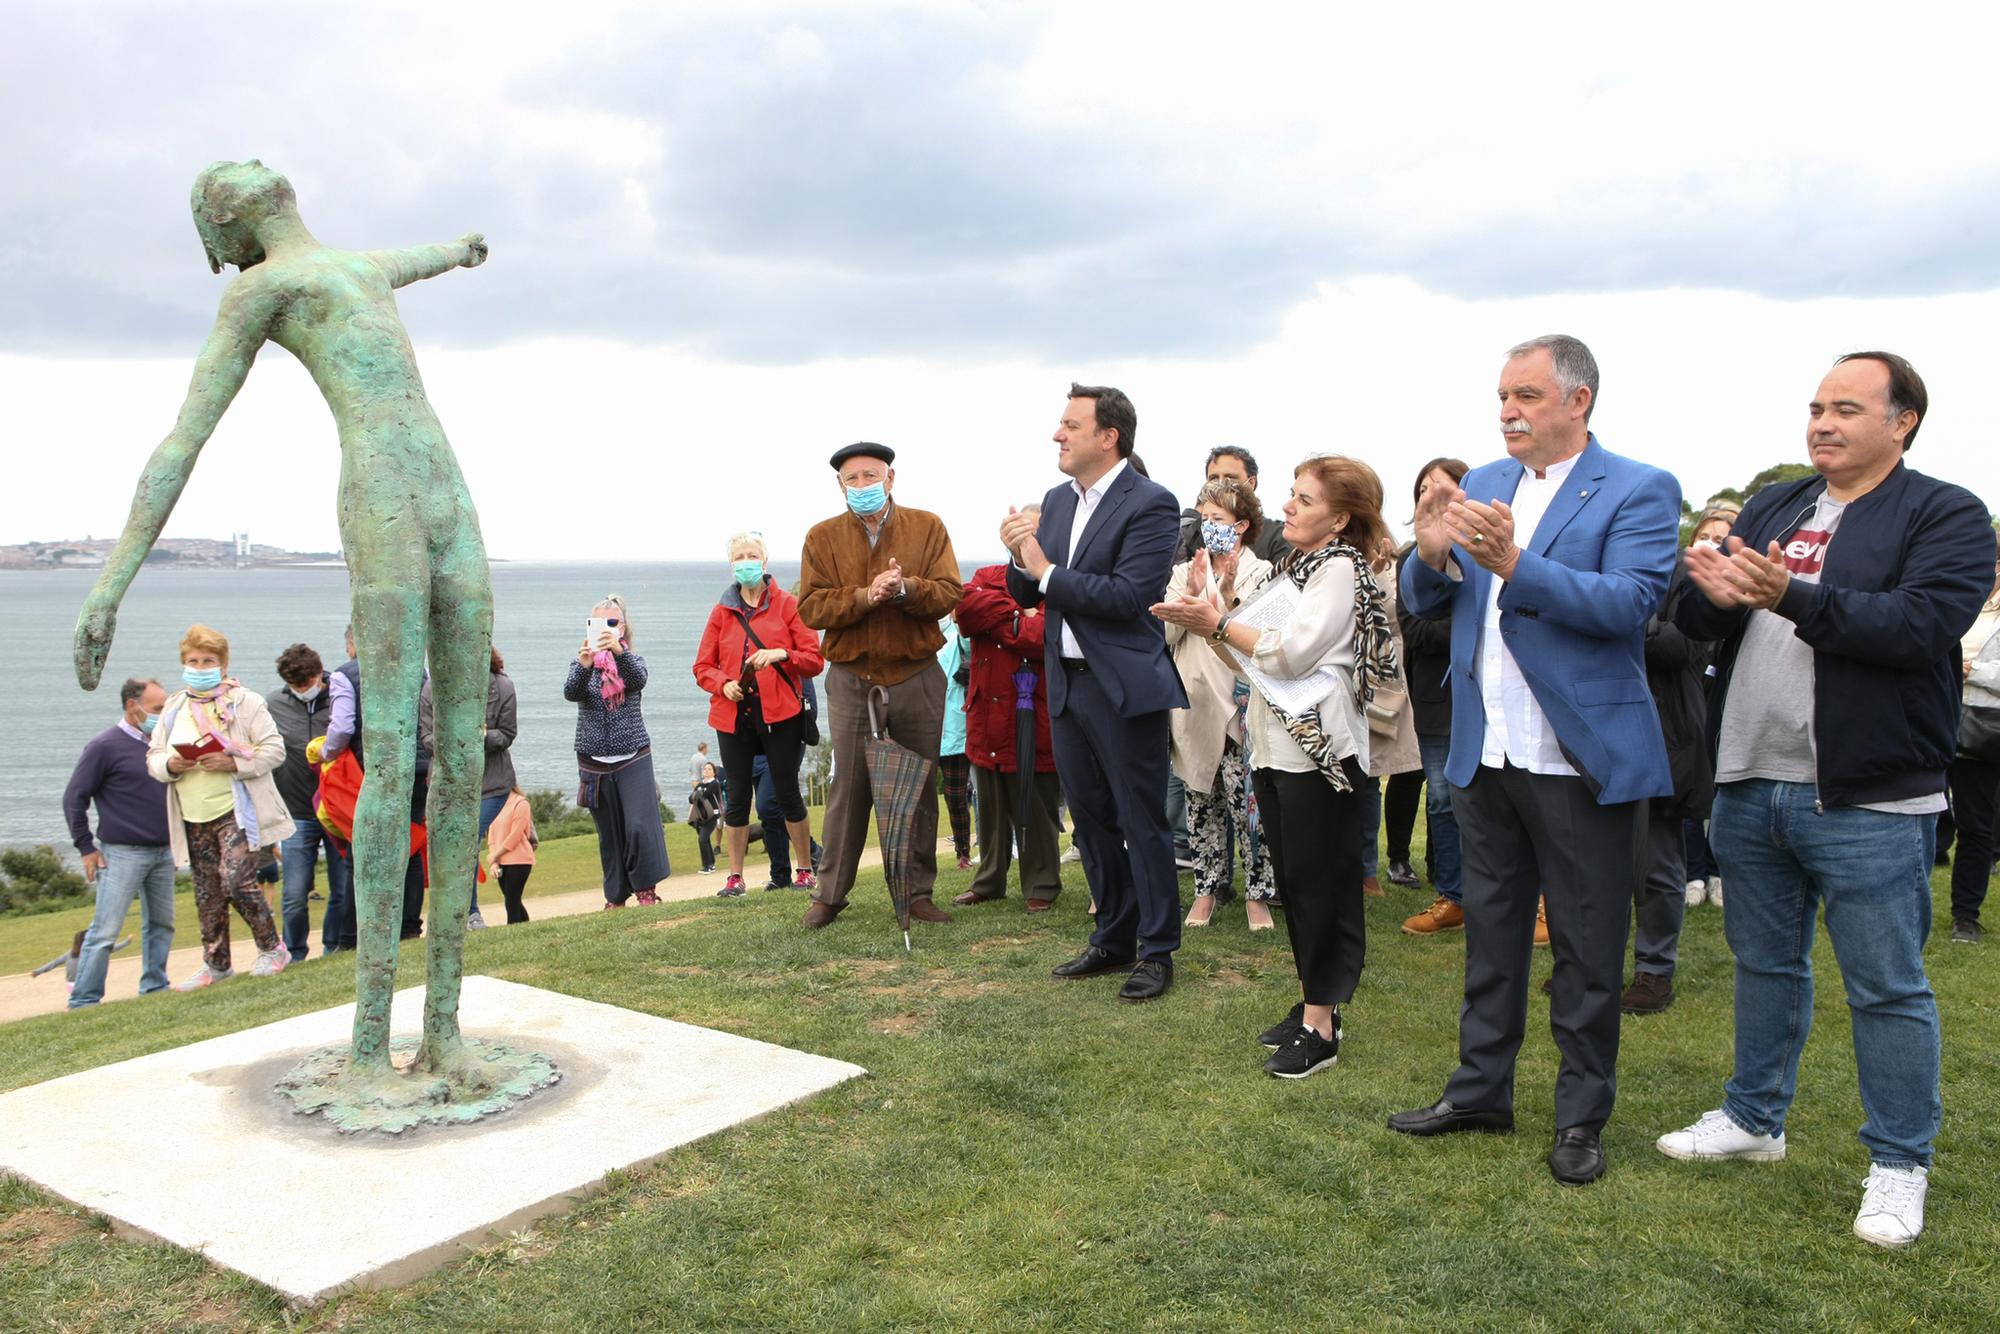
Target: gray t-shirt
<point>1767,717</point>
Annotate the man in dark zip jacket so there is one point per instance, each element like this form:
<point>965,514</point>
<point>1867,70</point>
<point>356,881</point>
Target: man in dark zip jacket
<point>1839,605</point>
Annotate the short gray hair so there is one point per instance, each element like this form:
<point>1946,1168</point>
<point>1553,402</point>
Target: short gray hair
<point>1575,367</point>
<point>747,539</point>
<point>133,688</point>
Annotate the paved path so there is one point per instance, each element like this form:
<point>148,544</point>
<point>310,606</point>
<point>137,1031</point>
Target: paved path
<point>22,995</point>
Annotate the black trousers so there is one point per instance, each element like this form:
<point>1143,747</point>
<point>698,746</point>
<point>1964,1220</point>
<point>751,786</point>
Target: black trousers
<point>1401,796</point>
<point>513,880</point>
<point>1313,831</point>
<point>781,747</point>
<point>1524,836</point>
<point>1975,791</point>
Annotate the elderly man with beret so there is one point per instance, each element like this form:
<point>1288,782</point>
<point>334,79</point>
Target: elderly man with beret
<point>877,579</point>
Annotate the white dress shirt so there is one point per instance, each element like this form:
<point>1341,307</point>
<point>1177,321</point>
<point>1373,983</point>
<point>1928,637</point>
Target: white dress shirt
<point>1086,505</point>
<point>1517,731</point>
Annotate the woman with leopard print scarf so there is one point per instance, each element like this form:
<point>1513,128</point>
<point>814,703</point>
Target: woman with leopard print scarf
<point>1307,765</point>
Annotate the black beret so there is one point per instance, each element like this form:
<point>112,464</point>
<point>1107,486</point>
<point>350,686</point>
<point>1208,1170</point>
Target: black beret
<point>863,447</point>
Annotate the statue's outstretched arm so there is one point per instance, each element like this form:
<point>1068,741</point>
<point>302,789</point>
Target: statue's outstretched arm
<point>240,329</point>
<point>403,267</point>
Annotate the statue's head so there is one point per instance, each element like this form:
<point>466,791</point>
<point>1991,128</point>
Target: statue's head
<point>230,201</point>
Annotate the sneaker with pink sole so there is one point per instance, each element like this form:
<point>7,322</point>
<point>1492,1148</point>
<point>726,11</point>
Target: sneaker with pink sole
<point>270,963</point>
<point>204,976</point>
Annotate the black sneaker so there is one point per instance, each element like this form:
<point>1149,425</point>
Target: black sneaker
<point>1278,1034</point>
<point>1306,1054</point>
<point>1965,933</point>
<point>776,883</point>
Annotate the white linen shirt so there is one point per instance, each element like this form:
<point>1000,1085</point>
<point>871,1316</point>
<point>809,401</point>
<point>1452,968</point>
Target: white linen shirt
<point>1086,505</point>
<point>1517,731</point>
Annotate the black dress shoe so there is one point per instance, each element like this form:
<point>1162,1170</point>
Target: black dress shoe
<point>1441,1118</point>
<point>1578,1157</point>
<point>1401,874</point>
<point>1149,981</point>
<point>1090,963</point>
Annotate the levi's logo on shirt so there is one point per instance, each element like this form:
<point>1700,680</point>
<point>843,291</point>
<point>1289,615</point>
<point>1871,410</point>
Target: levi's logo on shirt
<point>1805,553</point>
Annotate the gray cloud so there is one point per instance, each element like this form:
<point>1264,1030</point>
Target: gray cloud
<point>868,194</point>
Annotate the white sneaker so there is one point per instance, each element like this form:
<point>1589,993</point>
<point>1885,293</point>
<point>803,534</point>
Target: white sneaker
<point>1697,890</point>
<point>1892,1209</point>
<point>1716,1137</point>
<point>204,976</point>
<point>1715,890</point>
<point>474,922</point>
<point>270,963</point>
<point>1073,854</point>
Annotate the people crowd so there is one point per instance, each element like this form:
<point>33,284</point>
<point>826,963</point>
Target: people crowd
<point>1599,718</point>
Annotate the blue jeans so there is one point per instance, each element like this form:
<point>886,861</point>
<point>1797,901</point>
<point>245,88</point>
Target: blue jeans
<point>1870,873</point>
<point>300,855</point>
<point>489,807</point>
<point>1443,822</point>
<point>1370,792</point>
<point>131,870</point>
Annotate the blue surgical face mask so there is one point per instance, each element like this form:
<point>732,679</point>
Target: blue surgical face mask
<point>1219,538</point>
<point>206,679</point>
<point>748,572</point>
<point>149,722</point>
<point>867,499</point>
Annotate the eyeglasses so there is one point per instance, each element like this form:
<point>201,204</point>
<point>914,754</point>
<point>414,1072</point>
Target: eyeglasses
<point>611,620</point>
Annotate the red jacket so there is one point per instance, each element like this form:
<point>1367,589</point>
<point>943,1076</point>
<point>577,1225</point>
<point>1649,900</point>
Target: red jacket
<point>987,618</point>
<point>724,646</point>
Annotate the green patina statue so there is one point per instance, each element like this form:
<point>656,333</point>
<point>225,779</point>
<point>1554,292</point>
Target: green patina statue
<point>418,575</point>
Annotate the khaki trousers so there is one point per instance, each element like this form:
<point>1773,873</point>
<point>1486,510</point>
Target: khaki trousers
<point>999,818</point>
<point>914,720</point>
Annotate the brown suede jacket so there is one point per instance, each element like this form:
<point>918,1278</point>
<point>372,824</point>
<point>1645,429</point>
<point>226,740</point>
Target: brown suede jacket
<point>893,641</point>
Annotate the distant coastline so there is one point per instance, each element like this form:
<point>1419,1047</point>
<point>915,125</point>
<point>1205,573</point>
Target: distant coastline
<point>180,553</point>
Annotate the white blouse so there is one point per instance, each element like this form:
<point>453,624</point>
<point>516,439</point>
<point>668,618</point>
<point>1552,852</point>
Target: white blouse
<point>1319,634</point>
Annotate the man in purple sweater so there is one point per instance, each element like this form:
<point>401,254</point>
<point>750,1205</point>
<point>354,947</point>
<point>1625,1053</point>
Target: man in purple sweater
<point>130,856</point>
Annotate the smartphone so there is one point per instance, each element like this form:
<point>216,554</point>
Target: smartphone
<point>594,627</point>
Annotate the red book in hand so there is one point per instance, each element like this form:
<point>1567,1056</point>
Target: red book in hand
<point>208,745</point>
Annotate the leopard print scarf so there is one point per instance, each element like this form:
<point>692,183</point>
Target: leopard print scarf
<point>1375,657</point>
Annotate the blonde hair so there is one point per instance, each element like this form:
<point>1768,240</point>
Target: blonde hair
<point>201,639</point>
<point>747,539</point>
<point>624,615</point>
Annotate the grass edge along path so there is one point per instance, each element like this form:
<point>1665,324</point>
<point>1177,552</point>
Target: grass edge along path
<point>1027,1154</point>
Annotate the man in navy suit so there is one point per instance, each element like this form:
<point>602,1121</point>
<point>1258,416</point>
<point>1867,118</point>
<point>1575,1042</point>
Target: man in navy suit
<point>1097,556</point>
<point>1550,563</point>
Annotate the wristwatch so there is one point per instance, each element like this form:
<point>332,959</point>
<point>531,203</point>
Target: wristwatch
<point>1221,630</point>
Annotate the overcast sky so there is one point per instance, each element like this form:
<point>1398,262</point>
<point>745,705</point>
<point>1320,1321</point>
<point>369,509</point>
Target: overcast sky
<point>726,239</point>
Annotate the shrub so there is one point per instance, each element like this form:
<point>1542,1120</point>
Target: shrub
<point>34,880</point>
<point>555,817</point>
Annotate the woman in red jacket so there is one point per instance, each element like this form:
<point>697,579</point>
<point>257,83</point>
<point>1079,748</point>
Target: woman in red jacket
<point>754,655</point>
<point>1005,639</point>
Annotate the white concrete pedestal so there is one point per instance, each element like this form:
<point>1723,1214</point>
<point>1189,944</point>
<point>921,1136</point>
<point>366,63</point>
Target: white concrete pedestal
<point>163,1144</point>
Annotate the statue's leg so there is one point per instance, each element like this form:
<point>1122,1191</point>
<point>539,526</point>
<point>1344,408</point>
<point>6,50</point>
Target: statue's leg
<point>461,633</point>
<point>390,580</point>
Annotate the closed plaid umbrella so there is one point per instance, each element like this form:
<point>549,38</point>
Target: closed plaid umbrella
<point>898,778</point>
<point>1024,741</point>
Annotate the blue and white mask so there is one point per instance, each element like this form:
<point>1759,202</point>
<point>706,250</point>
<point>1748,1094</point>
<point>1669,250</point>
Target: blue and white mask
<point>867,499</point>
<point>1219,538</point>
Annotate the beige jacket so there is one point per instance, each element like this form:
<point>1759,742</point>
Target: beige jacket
<point>260,811</point>
<point>1397,754</point>
<point>1199,729</point>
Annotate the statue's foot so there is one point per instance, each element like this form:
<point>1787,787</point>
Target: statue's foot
<point>469,1071</point>
<point>449,1080</point>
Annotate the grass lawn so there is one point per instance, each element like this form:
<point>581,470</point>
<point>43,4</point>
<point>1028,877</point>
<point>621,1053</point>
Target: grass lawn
<point>1028,1154</point>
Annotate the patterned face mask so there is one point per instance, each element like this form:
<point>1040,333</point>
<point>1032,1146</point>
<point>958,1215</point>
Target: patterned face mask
<point>1219,538</point>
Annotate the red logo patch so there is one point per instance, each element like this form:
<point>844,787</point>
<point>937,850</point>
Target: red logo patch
<point>1806,552</point>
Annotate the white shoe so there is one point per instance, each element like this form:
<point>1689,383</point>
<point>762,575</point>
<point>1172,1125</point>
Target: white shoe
<point>1073,854</point>
<point>1716,1137</point>
<point>1715,890</point>
<point>204,976</point>
<point>474,922</point>
<point>270,963</point>
<point>1697,890</point>
<point>1892,1209</point>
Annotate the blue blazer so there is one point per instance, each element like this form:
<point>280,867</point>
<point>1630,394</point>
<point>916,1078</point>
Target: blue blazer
<point>1574,616</point>
<point>1102,592</point>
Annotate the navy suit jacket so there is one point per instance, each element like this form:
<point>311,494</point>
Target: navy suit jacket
<point>1574,616</point>
<point>1102,592</point>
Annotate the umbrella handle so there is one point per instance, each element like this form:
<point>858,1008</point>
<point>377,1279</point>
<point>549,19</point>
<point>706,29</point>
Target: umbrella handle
<point>874,723</point>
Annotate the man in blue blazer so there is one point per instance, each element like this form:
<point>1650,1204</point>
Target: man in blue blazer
<point>1096,557</point>
<point>1550,563</point>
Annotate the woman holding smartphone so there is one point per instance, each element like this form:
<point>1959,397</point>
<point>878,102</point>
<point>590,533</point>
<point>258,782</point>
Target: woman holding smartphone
<point>216,748</point>
<point>614,756</point>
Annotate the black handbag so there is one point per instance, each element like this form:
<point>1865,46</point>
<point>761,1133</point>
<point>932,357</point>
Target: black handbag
<point>1979,733</point>
<point>809,725</point>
